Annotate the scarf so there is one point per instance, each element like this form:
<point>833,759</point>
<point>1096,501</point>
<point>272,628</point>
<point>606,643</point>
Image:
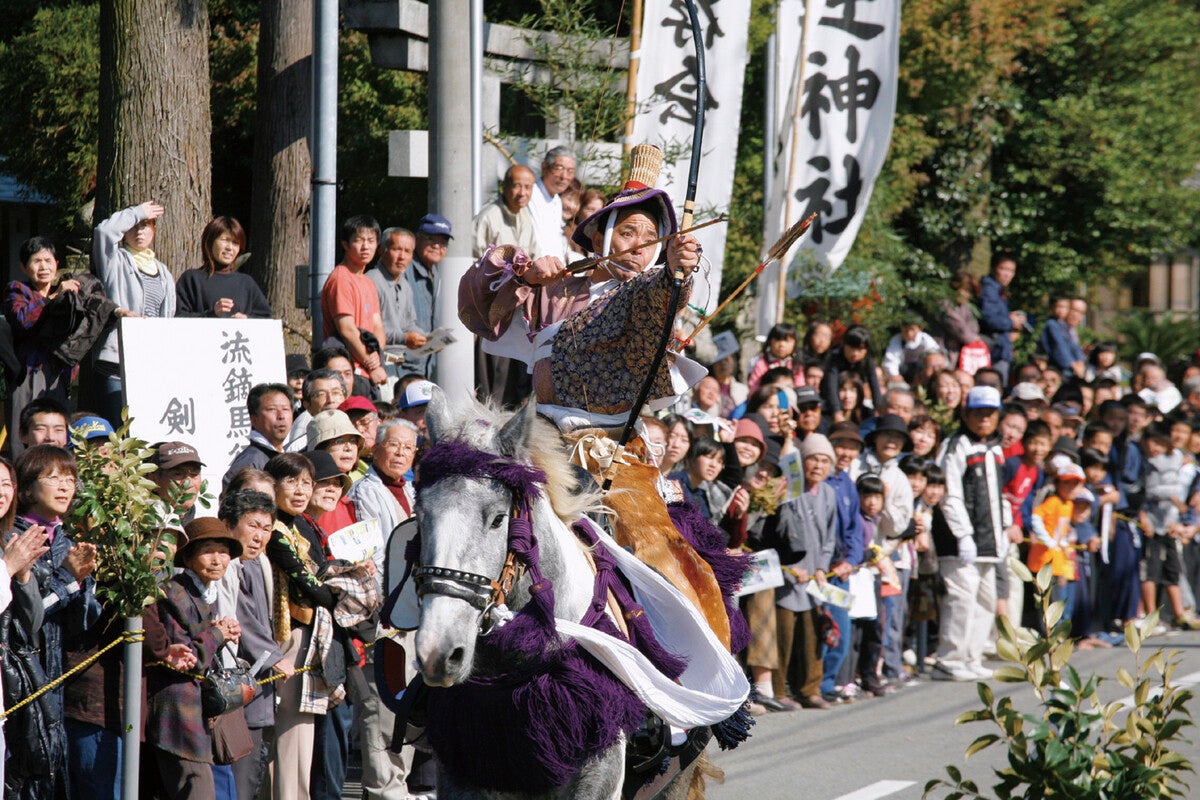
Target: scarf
<point>144,260</point>
<point>207,590</point>
<point>396,487</point>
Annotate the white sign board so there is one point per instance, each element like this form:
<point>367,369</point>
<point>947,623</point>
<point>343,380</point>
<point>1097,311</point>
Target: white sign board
<point>187,380</point>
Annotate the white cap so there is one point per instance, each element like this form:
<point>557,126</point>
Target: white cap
<point>983,397</point>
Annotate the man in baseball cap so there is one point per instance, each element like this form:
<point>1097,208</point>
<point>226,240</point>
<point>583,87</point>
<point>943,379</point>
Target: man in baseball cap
<point>414,402</point>
<point>177,477</point>
<point>433,237</point>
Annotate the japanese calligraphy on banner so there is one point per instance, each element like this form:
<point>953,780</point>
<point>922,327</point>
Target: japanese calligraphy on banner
<point>187,380</point>
<point>666,92</point>
<point>836,125</point>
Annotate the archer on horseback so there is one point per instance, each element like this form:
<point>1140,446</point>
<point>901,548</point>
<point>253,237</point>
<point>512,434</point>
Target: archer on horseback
<point>583,335</point>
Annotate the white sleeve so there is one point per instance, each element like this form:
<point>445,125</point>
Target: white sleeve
<point>108,235</point>
<point>954,507</point>
<point>893,357</point>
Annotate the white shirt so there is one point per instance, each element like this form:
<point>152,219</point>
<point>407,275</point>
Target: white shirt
<point>546,210</point>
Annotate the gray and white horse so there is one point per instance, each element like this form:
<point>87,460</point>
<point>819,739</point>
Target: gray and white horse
<point>463,524</point>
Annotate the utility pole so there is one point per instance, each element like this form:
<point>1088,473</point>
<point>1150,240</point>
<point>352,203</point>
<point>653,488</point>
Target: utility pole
<point>450,182</point>
<point>323,138</point>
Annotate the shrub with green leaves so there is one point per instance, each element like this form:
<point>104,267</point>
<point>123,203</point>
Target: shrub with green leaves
<point>117,510</point>
<point>1077,746</point>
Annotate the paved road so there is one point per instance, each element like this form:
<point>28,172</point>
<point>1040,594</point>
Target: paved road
<point>889,747</point>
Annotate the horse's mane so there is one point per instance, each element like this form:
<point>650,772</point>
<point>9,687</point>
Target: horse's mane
<point>480,422</point>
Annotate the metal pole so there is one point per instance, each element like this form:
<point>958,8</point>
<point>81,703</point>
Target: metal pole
<point>323,147</point>
<point>476,106</point>
<point>132,711</point>
<point>450,178</point>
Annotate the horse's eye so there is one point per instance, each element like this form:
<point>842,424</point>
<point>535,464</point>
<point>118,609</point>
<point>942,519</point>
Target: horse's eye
<point>498,520</point>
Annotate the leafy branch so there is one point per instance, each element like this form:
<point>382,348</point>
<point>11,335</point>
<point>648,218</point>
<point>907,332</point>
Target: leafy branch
<point>117,510</point>
<point>1077,747</point>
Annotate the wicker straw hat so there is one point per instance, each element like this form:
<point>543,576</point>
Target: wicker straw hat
<point>638,192</point>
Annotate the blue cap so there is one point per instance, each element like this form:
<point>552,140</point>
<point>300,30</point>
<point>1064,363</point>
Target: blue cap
<point>88,428</point>
<point>434,225</point>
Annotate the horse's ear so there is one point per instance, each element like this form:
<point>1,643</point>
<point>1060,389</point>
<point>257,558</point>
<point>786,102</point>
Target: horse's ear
<point>437,416</point>
<point>513,438</point>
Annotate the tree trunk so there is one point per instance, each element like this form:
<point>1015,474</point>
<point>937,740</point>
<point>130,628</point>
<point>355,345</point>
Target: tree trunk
<point>282,167</point>
<point>156,120</point>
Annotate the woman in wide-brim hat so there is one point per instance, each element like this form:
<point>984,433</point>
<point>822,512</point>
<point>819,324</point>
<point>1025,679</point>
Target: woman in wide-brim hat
<point>176,729</point>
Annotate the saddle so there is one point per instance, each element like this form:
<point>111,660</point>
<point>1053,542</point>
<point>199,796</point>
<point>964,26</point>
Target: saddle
<point>642,524</point>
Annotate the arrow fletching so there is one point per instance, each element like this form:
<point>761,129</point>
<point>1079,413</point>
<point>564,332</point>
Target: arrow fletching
<point>789,237</point>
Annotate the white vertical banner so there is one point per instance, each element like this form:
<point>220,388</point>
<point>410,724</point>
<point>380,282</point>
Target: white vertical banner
<point>836,124</point>
<point>187,380</point>
<point>666,92</point>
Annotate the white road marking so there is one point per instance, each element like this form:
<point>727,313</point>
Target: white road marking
<point>1190,679</point>
<point>876,790</point>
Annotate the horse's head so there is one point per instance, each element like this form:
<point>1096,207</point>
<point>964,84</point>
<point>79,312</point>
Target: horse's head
<point>464,536</point>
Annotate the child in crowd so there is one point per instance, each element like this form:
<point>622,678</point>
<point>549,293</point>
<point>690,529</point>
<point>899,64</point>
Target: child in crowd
<point>868,633</point>
<point>779,350</point>
<point>1054,536</point>
<point>1088,539</point>
<point>1013,422</point>
<point>906,350</point>
<point>1119,543</point>
<point>1165,498</point>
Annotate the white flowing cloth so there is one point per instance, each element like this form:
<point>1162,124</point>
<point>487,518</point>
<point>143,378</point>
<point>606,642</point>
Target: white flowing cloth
<point>711,689</point>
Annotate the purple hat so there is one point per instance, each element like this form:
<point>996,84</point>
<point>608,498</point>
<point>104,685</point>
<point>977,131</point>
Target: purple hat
<point>638,192</point>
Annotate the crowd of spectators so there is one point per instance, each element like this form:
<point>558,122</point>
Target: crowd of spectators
<point>911,482</point>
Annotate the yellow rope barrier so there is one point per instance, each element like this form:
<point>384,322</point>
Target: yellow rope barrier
<point>137,636</point>
<point>126,636</point>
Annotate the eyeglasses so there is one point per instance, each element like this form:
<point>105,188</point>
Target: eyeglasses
<point>294,482</point>
<point>402,447</point>
<point>561,169</point>
<point>57,480</point>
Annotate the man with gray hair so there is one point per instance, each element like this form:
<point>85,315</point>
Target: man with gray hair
<point>385,495</point>
<point>323,388</point>
<point>558,169</point>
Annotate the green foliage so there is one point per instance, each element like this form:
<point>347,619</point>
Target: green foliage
<point>1078,747</point>
<point>577,91</point>
<point>1171,338</point>
<point>116,510</point>
<point>50,79</point>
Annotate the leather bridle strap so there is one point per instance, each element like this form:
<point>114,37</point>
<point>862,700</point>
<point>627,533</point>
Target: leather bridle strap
<point>479,591</point>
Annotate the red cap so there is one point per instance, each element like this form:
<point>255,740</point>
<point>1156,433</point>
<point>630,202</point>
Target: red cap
<point>355,403</point>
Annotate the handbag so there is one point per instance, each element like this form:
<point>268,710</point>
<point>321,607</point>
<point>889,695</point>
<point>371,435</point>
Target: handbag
<point>224,689</point>
<point>230,737</point>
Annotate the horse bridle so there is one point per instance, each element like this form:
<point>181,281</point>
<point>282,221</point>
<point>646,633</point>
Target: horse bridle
<point>488,595</point>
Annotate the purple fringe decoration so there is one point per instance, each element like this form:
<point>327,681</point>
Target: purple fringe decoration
<point>711,543</point>
<point>531,731</point>
<point>454,458</point>
<point>641,634</point>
